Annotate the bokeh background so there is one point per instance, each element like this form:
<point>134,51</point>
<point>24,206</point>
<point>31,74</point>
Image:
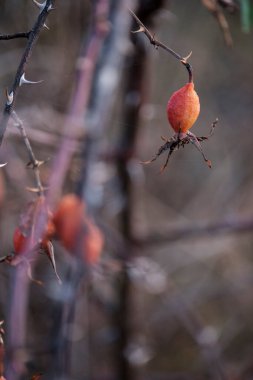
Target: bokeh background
<point>171,297</point>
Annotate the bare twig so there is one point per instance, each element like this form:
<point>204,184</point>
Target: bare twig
<point>5,37</point>
<point>33,162</point>
<point>214,7</point>
<point>199,231</point>
<point>156,43</point>
<point>11,94</point>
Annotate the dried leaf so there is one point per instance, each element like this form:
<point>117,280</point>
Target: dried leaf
<point>30,276</point>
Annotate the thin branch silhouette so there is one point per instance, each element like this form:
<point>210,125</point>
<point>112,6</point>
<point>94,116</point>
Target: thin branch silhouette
<point>11,94</point>
<point>5,37</point>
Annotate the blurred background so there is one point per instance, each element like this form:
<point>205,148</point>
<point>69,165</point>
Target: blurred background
<point>171,296</point>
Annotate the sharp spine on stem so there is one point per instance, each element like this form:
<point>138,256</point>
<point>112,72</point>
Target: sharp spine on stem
<point>41,6</point>
<point>10,97</point>
<point>23,80</point>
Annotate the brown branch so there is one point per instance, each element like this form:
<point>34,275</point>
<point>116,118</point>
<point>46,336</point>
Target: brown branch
<point>215,9</point>
<point>75,117</point>
<point>199,231</point>
<point>33,35</point>
<point>156,43</point>
<point>33,162</point>
<point>5,37</point>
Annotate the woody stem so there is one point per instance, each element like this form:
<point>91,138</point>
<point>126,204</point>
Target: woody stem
<point>156,43</point>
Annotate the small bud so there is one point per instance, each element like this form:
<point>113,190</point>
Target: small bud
<point>23,80</point>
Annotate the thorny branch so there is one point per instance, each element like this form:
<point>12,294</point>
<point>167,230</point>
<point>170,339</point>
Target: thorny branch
<point>11,94</point>
<point>156,43</point>
<point>33,163</point>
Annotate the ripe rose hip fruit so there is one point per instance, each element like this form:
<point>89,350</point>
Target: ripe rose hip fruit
<point>93,243</point>
<point>19,241</point>
<point>68,219</point>
<point>183,108</point>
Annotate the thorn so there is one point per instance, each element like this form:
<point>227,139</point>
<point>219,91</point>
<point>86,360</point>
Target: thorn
<point>50,253</point>
<point>41,6</point>
<point>140,30</point>
<point>23,80</point>
<point>36,189</point>
<point>36,164</point>
<point>185,59</point>
<point>46,27</point>
<point>9,97</point>
<point>2,260</point>
<point>148,161</point>
<point>2,165</point>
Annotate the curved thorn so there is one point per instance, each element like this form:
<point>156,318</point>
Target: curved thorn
<point>36,189</point>
<point>41,6</point>
<point>140,30</point>
<point>148,161</point>
<point>23,80</point>
<point>2,165</point>
<point>36,164</point>
<point>185,59</point>
<point>3,259</point>
<point>10,97</point>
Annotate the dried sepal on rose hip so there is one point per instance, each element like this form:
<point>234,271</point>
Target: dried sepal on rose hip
<point>24,238</point>
<point>25,243</point>
<point>76,230</point>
